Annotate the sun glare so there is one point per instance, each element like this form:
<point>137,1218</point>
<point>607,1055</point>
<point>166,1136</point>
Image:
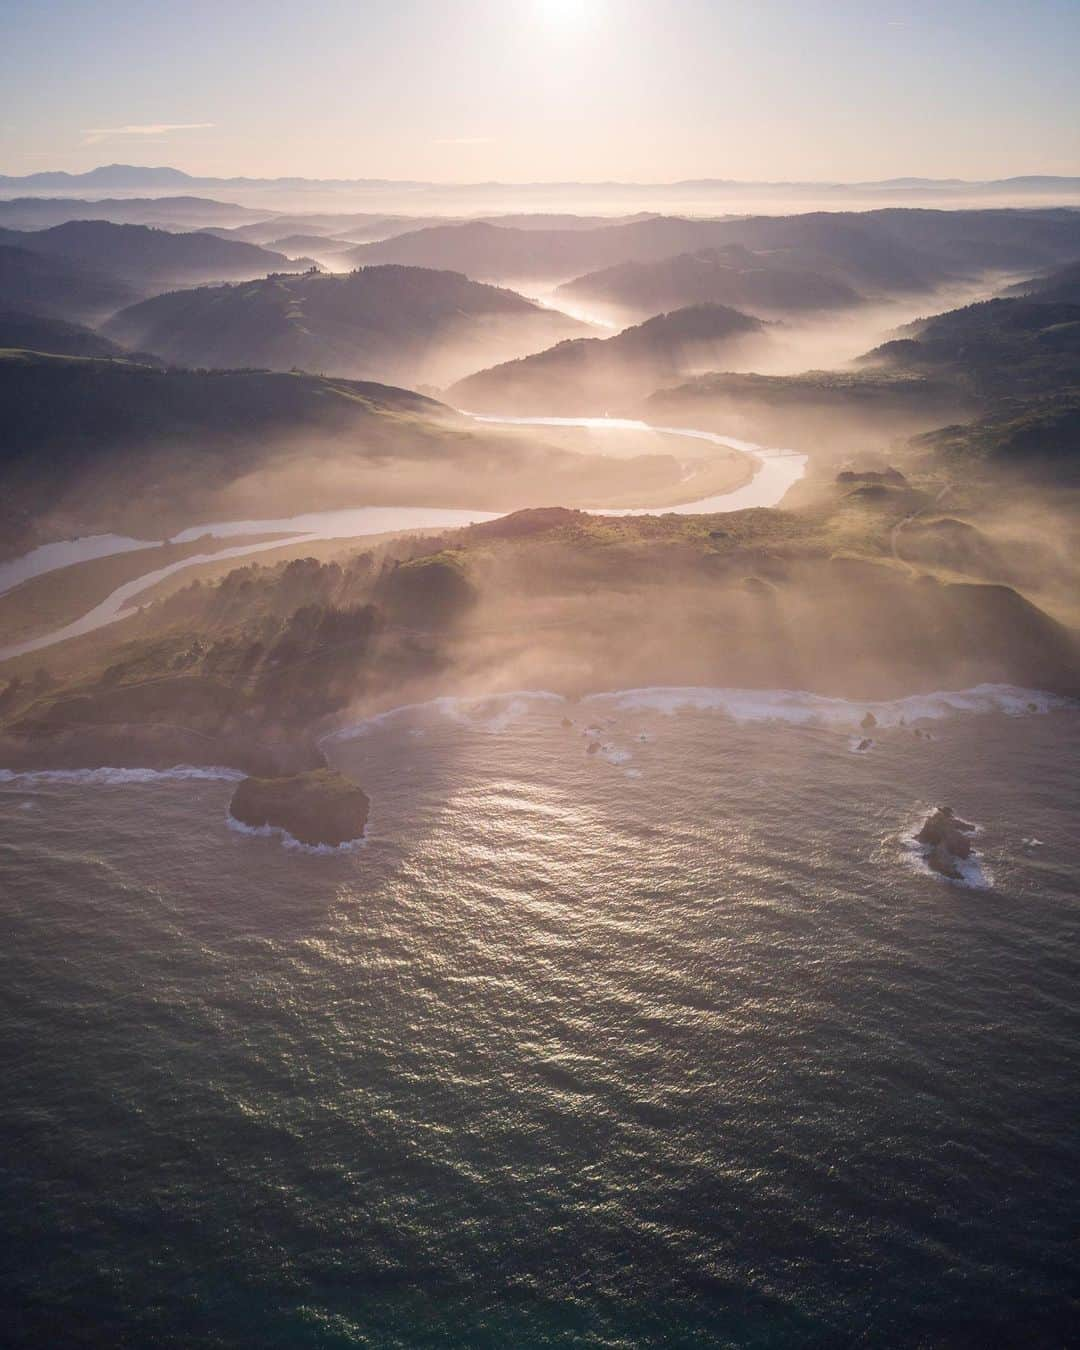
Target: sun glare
<point>562,12</point>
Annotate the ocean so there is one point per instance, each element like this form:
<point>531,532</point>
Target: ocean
<point>671,1043</point>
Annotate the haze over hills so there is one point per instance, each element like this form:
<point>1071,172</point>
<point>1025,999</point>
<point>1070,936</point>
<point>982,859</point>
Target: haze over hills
<point>1011,364</point>
<point>295,245</point>
<point>734,276</point>
<point>540,675</point>
<point>998,348</point>
<point>170,213</point>
<point>354,227</point>
<point>872,252</point>
<point>591,376</point>
<point>1061,286</point>
<point>700,195</point>
<point>150,258</point>
<point>97,445</point>
<point>40,283</point>
<point>397,324</point>
<point>32,332</point>
<point>361,227</point>
<point>833,413</point>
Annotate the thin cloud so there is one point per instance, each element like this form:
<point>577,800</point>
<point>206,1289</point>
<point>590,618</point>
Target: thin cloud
<point>465,140</point>
<point>92,135</point>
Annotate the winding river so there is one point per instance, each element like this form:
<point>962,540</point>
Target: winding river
<point>778,470</point>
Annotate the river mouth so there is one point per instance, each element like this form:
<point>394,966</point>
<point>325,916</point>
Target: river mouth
<point>778,470</point>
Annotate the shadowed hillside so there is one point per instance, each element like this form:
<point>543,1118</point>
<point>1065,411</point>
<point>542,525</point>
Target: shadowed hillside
<point>1061,287</point>
<point>36,283</point>
<point>31,332</point>
<point>875,252</point>
<point>832,412</point>
<point>1000,347</point>
<point>400,324</point>
<point>595,375</point>
<point>150,259</point>
<point>94,446</point>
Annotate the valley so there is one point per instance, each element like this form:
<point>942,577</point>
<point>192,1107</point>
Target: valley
<point>647,537</point>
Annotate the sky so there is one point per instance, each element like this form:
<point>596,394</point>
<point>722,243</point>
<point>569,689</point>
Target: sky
<point>544,90</point>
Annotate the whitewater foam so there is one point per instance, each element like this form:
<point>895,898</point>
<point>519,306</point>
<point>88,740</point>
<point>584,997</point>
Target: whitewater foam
<point>116,777</point>
<point>797,707</point>
<point>975,875</point>
<point>801,708</point>
<point>290,841</point>
<point>467,710</point>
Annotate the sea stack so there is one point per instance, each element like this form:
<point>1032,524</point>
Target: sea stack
<point>320,807</point>
<point>946,837</point>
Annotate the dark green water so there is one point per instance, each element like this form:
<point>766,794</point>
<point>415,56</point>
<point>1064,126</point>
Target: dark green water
<point>561,1057</point>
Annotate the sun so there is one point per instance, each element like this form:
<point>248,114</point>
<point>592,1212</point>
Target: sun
<point>561,13</point>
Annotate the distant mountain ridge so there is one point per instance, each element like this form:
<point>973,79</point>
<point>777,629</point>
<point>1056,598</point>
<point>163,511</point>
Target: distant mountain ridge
<point>140,176</point>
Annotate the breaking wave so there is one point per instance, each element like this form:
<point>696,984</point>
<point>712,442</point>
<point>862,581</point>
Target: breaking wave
<point>496,712</point>
<point>290,841</point>
<point>975,875</point>
<point>112,777</point>
<point>805,709</point>
<point>484,712</point>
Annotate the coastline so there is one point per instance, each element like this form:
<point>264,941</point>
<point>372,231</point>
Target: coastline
<point>169,749</point>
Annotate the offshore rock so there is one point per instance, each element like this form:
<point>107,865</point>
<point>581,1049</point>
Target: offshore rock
<point>946,836</point>
<point>321,807</point>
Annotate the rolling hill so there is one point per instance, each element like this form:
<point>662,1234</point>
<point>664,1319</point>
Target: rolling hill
<point>831,413</point>
<point>402,325</point>
<point>34,332</point>
<point>874,252</point>
<point>38,283</point>
<point>734,276</point>
<point>1061,286</point>
<point>999,348</point>
<point>97,445</point>
<point>1022,437</point>
<point>171,213</point>
<point>592,376</point>
<point>150,259</point>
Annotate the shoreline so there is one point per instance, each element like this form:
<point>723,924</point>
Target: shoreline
<point>168,748</point>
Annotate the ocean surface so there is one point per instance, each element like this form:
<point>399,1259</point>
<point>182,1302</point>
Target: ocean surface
<point>675,1043</point>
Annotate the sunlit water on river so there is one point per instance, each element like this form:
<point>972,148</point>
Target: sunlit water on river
<point>670,1044</point>
<point>777,471</point>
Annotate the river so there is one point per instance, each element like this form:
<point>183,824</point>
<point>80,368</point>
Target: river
<point>778,471</point>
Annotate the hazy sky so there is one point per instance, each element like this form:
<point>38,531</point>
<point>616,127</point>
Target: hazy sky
<point>647,90</point>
